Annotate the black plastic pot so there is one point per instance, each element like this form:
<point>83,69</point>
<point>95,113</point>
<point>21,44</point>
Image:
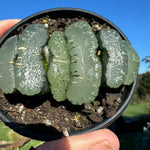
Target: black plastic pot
<point>68,13</point>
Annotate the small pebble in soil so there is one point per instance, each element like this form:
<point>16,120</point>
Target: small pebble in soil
<point>66,119</point>
<point>118,100</point>
<point>78,124</point>
<point>65,132</point>
<point>46,25</point>
<point>47,122</point>
<point>88,106</point>
<point>63,107</point>
<point>20,109</point>
<point>99,109</point>
<point>23,115</point>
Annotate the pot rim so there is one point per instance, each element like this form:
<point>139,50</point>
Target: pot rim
<point>53,10</point>
<point>105,123</point>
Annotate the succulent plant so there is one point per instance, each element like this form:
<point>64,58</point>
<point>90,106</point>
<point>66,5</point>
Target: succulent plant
<point>85,66</point>
<point>21,62</point>
<point>29,67</point>
<point>73,68</point>
<point>118,57</point>
<point>58,68</point>
<point>133,63</point>
<point>8,53</point>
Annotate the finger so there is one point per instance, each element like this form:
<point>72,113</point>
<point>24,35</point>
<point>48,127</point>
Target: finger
<point>5,25</point>
<point>98,140</point>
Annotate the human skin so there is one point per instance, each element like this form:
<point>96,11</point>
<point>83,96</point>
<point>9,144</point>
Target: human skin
<point>102,139</point>
<point>6,25</point>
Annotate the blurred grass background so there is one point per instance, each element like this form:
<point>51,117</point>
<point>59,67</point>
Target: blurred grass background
<point>11,140</point>
<point>136,110</point>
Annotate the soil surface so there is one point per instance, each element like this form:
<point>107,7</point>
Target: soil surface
<point>63,117</point>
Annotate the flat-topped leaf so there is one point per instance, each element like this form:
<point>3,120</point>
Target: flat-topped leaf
<point>8,53</point>
<point>58,69</point>
<point>133,63</point>
<point>85,66</point>
<point>114,57</point>
<point>29,67</point>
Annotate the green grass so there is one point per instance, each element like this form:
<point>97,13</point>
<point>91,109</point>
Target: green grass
<point>8,135</point>
<point>136,110</point>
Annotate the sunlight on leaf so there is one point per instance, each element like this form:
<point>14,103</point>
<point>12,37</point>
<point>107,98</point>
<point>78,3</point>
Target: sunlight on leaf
<point>11,140</point>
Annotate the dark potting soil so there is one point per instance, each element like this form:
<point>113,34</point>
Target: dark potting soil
<point>64,117</point>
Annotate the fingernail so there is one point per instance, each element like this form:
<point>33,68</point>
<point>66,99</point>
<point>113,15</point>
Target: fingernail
<point>103,146</point>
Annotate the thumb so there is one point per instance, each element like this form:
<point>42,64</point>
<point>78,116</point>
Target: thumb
<point>103,139</point>
<point>6,25</point>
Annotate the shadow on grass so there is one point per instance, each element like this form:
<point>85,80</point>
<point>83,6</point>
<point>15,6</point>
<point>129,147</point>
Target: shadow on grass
<point>133,132</point>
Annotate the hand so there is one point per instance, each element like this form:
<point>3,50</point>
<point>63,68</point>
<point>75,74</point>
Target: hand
<point>6,25</point>
<point>103,139</point>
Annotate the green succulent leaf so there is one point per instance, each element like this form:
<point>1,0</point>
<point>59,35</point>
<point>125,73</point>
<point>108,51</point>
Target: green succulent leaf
<point>114,57</point>
<point>133,63</point>
<point>8,53</point>
<point>29,68</point>
<point>69,62</point>
<point>58,69</point>
<point>85,66</point>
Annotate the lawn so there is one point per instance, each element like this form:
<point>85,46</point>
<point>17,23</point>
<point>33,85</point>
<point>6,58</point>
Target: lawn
<point>11,140</point>
<point>136,110</point>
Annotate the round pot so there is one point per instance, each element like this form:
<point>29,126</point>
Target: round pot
<point>65,13</point>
